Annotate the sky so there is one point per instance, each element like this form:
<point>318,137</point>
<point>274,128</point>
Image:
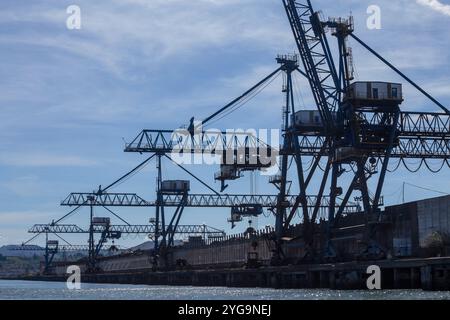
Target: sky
<point>70,98</point>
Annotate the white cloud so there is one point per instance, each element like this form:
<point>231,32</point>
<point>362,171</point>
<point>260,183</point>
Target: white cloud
<point>137,32</point>
<point>436,5</point>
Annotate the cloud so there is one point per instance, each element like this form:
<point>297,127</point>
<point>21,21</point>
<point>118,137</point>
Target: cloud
<point>436,5</point>
<point>15,224</point>
<point>18,217</point>
<point>44,160</point>
<point>130,33</point>
<point>25,186</point>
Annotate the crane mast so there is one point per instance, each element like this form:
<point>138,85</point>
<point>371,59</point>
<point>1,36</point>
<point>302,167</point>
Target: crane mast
<point>316,56</point>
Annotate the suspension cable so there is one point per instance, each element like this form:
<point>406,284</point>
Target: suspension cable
<point>62,238</point>
<point>192,175</point>
<point>116,215</point>
<point>245,100</point>
<point>240,97</point>
<point>137,168</point>
<point>427,189</point>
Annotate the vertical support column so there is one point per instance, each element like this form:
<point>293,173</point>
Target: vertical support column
<point>91,235</point>
<point>362,185</point>
<point>298,159</point>
<point>332,280</point>
<point>158,203</point>
<point>46,256</point>
<point>396,278</point>
<point>333,195</point>
<point>426,278</point>
<point>386,161</point>
<point>329,251</point>
<point>414,277</point>
<point>280,209</point>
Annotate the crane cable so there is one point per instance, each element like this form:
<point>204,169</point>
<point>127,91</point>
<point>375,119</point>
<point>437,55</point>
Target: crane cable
<point>245,100</point>
<point>112,185</point>
<point>427,189</point>
<point>129,174</point>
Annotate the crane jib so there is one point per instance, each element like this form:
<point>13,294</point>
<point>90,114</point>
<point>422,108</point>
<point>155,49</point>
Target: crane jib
<point>316,57</point>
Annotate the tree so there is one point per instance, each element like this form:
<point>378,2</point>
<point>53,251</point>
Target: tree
<point>436,242</point>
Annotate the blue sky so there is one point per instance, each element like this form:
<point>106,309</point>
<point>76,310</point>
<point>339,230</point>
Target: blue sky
<point>69,98</point>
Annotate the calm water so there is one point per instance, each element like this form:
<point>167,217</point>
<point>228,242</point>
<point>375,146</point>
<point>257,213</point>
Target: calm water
<point>58,291</point>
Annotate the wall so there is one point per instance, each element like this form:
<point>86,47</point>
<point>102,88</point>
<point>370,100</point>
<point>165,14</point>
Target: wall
<point>230,252</point>
<point>433,215</point>
<point>405,239</point>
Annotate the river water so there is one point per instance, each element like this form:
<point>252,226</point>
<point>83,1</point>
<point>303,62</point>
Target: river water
<point>31,290</point>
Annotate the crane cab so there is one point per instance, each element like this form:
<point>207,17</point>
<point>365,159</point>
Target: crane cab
<point>175,186</point>
<point>309,121</point>
<point>374,95</point>
<point>227,172</point>
<point>100,221</point>
<point>52,243</point>
<point>238,212</point>
<point>52,246</point>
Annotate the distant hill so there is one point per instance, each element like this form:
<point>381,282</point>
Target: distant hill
<point>10,251</point>
<point>34,250</point>
<point>30,251</point>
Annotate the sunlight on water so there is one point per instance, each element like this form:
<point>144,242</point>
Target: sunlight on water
<point>57,291</point>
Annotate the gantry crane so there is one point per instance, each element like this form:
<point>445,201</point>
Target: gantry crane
<point>53,247</point>
<point>356,136</point>
<point>360,132</point>
<point>106,231</point>
<point>241,205</point>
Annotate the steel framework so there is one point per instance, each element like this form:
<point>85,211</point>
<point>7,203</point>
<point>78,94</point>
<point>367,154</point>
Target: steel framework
<point>357,139</point>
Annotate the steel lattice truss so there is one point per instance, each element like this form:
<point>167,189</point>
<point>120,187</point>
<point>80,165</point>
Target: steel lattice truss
<point>408,148</point>
<point>421,135</point>
<point>106,199</point>
<point>210,142</point>
<point>64,248</point>
<point>192,200</point>
<point>314,49</point>
<point>56,228</point>
<point>126,229</point>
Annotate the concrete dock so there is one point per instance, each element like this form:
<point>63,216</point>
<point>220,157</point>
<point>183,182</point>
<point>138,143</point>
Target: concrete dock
<point>426,274</point>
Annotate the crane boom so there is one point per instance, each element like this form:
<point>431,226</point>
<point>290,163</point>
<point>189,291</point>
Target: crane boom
<point>316,57</point>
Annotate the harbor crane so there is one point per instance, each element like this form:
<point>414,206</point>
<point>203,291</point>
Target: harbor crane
<point>357,128</point>
<point>102,226</point>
